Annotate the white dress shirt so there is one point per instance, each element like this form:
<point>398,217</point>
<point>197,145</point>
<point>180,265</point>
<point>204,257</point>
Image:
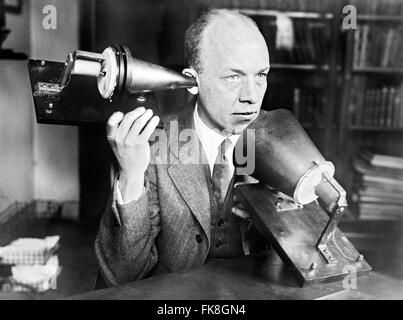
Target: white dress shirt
<point>210,141</point>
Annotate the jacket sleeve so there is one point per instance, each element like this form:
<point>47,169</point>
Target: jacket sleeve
<point>125,244</point>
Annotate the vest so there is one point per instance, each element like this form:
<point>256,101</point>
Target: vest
<point>225,239</point>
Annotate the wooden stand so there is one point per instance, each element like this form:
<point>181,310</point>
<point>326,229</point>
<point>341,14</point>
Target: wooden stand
<point>294,232</point>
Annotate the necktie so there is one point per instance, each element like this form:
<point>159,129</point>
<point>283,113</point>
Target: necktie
<point>222,176</point>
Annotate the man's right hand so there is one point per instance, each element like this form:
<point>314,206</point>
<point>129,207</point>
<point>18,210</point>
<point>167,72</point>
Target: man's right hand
<point>128,136</point>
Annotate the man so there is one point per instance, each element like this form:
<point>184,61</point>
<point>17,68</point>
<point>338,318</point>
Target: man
<point>166,216</point>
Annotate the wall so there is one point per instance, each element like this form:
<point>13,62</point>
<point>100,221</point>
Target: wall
<point>55,147</point>
<point>16,112</point>
<point>36,161</point>
<point>16,143</point>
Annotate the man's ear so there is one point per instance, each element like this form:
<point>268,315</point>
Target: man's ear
<point>191,73</point>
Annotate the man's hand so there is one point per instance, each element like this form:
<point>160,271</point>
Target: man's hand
<point>128,136</point>
<point>239,210</point>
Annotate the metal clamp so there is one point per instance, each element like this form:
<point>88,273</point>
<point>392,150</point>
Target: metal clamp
<point>283,202</point>
<point>326,254</point>
<point>46,88</point>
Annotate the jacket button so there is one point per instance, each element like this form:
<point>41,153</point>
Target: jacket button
<point>199,238</point>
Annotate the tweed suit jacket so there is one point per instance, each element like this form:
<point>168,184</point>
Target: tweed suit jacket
<point>169,227</point>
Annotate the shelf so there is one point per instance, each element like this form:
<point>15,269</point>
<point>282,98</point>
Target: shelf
<point>379,18</point>
<point>302,67</point>
<point>290,14</point>
<point>313,126</point>
<point>374,128</point>
<point>377,70</point>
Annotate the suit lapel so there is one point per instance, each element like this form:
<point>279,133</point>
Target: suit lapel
<point>189,169</point>
<point>190,180</point>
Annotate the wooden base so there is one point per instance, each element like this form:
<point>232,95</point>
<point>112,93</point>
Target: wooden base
<point>294,233</point>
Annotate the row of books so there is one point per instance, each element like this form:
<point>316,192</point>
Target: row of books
<point>311,41</point>
<point>378,186</point>
<point>309,105</point>
<point>376,106</point>
<point>378,7</point>
<point>378,46</point>
<point>322,6</point>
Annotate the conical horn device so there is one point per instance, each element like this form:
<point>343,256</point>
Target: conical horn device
<point>118,72</point>
<point>286,159</point>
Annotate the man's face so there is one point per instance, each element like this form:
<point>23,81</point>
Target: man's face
<point>233,79</point>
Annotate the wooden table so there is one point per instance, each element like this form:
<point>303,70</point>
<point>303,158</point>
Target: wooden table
<point>260,277</point>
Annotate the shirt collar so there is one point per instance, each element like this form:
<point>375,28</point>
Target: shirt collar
<point>210,139</point>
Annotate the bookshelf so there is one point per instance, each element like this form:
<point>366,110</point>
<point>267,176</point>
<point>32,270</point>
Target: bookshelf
<point>371,115</point>
<point>374,69</point>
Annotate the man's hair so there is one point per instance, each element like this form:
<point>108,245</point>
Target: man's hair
<point>194,35</point>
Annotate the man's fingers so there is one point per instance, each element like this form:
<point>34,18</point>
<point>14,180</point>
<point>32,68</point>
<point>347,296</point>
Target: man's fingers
<point>150,127</point>
<point>128,120</point>
<point>113,124</point>
<point>240,213</point>
<point>140,123</point>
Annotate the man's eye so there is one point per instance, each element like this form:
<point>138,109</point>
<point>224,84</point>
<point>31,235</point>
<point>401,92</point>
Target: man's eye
<point>232,77</point>
<point>262,75</point>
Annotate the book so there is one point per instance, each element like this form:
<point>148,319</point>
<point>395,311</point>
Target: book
<point>296,102</point>
<point>382,160</point>
<point>399,106</point>
<point>380,211</point>
<point>378,107</point>
<point>363,51</point>
<point>375,187</point>
<point>395,49</point>
<point>381,179</point>
<point>357,46</point>
<point>368,169</point>
<point>381,105</point>
<point>390,107</point>
<point>310,27</point>
<point>377,199</point>
<point>360,99</point>
<point>380,193</point>
<point>388,44</point>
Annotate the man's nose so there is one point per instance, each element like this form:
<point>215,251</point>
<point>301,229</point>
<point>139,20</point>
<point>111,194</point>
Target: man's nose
<point>249,92</point>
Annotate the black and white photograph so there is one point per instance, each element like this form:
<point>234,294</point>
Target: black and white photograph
<point>201,155</point>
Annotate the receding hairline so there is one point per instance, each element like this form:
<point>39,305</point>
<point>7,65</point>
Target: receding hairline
<point>225,17</point>
<point>195,35</point>
<point>222,18</point>
<point>226,14</point>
